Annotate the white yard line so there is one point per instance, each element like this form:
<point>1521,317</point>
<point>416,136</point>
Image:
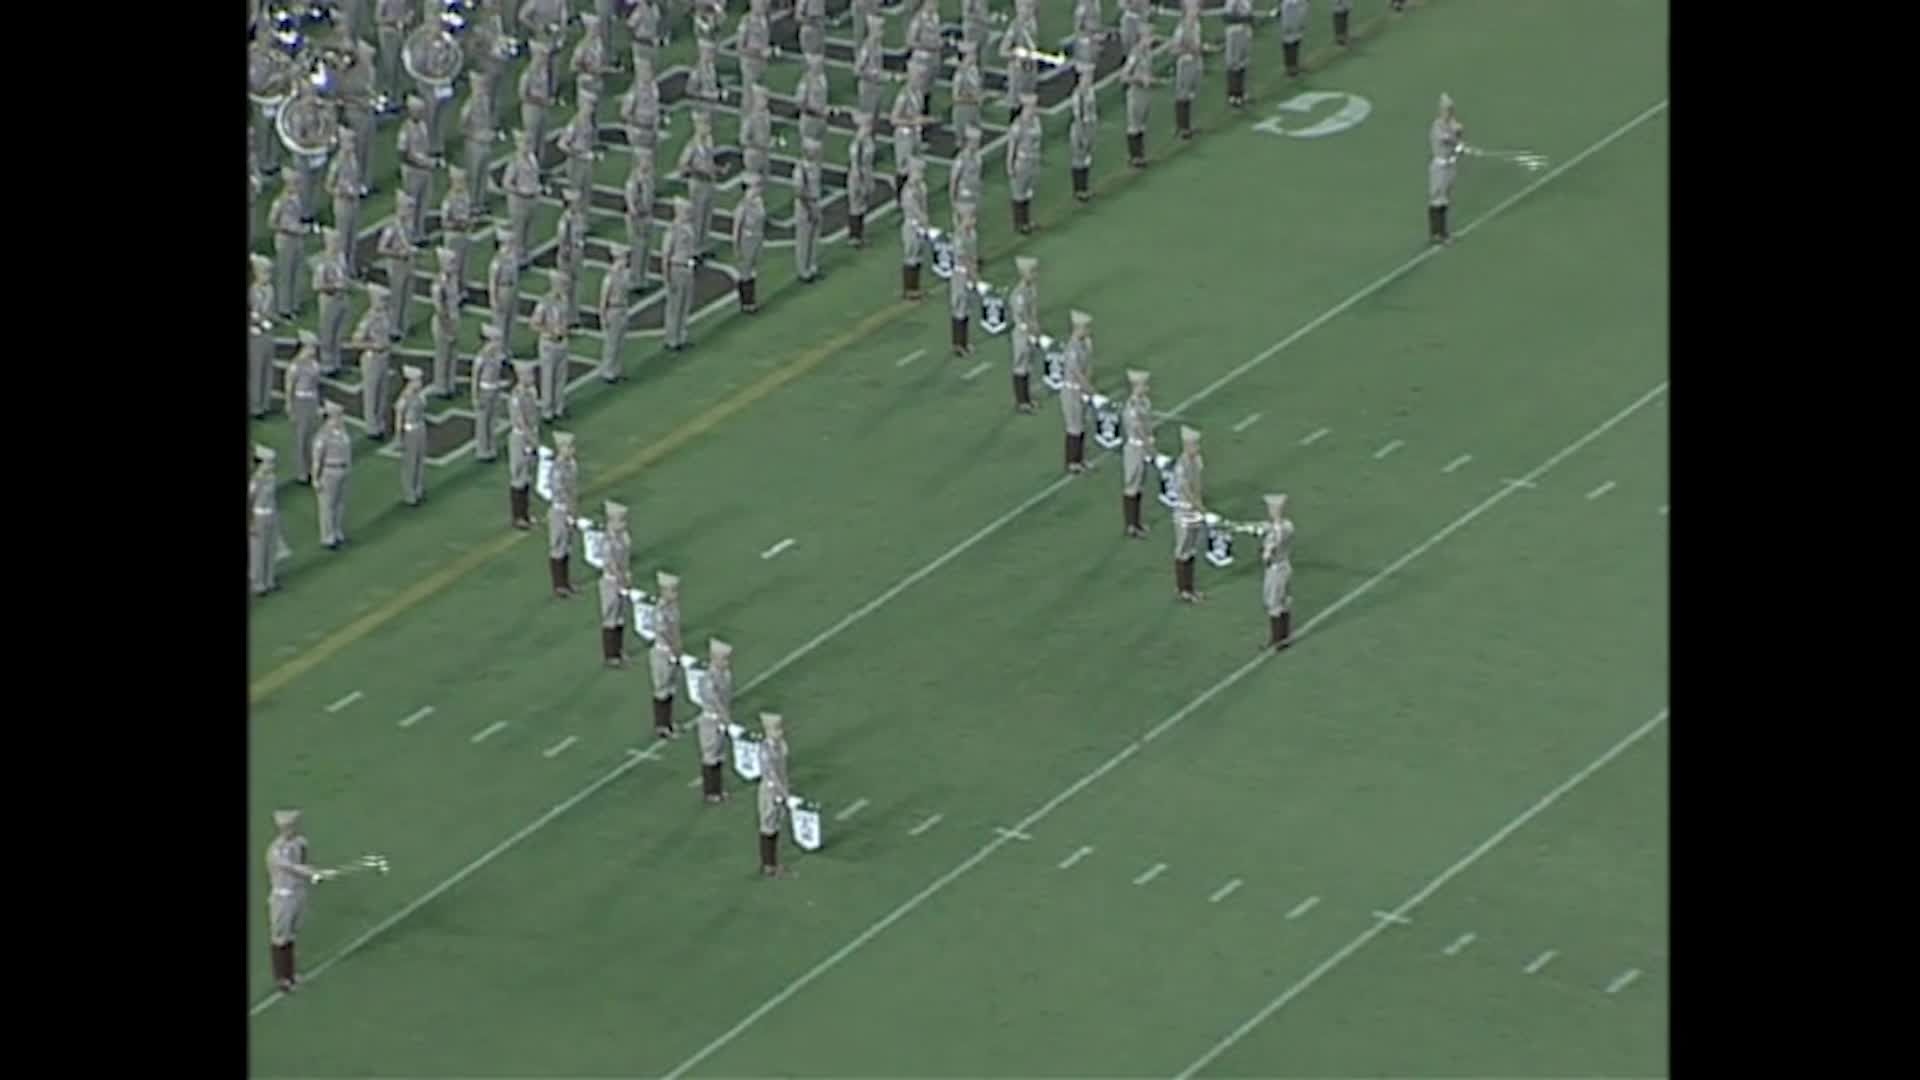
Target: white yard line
<point>910,358</point>
<point>1315,436</point>
<point>1013,834</point>
<point>927,824</point>
<point>1459,944</point>
<point>1247,423</point>
<point>1387,449</point>
<point>1390,917</point>
<point>1456,463</point>
<point>1067,863</point>
<point>487,858</point>
<point>1599,491</point>
<point>1340,955</point>
<point>977,370</point>
<point>1303,907</point>
<point>488,732</point>
<point>853,808</point>
<point>560,747</point>
<point>1623,980</point>
<point>345,701</point>
<point>1150,873</point>
<point>778,548</point>
<point>418,715</point>
<point>1224,891</point>
<point>1540,962</point>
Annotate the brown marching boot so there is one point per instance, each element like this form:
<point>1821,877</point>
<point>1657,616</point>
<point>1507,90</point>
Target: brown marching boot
<point>1180,580</point>
<point>1126,514</point>
<point>609,646</point>
<point>1067,454</point>
<point>1080,449</point>
<point>1236,87</point>
<point>1134,526</point>
<point>747,303</point>
<point>513,493</point>
<point>1136,148</point>
<point>1183,118</point>
<point>1081,190</point>
<point>1440,225</point>
<point>1023,211</point>
<point>663,717</point>
<point>906,281</point>
<point>1282,627</point>
<point>278,955</point>
<point>899,185</point>
<point>857,230</point>
<point>565,579</point>
<point>1291,49</point>
<point>710,783</point>
<point>770,854</point>
<point>913,282</point>
<point>553,577</point>
<point>1022,394</point>
<point>1340,28</point>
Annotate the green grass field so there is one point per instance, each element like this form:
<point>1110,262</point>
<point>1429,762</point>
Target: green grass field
<point>1087,830</point>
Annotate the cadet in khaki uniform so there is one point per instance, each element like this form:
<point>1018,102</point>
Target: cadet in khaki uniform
<point>1342,17</point>
<point>1022,36</point>
<point>774,790</point>
<point>925,45</point>
<point>263,523</point>
<point>697,168</point>
<point>968,87</point>
<point>664,661</point>
<point>619,551</point>
<point>375,342</point>
<point>290,232</point>
<point>1023,309</point>
<point>1078,386</point>
<point>813,26</point>
<point>1189,66</point>
<point>639,197</point>
<point>522,183</point>
<point>523,444</point>
<point>302,389</point>
<point>260,337</point>
<point>410,413</point>
<point>963,179</point>
<point>417,162</point>
<point>1445,138</point>
<point>640,110</point>
<point>355,92</point>
<point>703,85</point>
<point>907,121</point>
<point>550,322</point>
<point>1135,16</point>
<point>1239,20</point>
<point>756,130</point>
<point>397,250</point>
<point>960,281</point>
<point>807,212</point>
<point>1139,80</point>
<point>288,879</point>
<point>749,234</point>
<point>1189,514</point>
<point>678,256</point>
<point>536,91</point>
<point>1023,162</point>
<point>477,127</point>
<point>913,227</point>
<point>590,64</point>
<point>330,280</point>
<point>343,182</point>
<point>577,142</point>
<point>503,283</point>
<point>1087,32</point>
<point>391,18</point>
<point>457,221</point>
<point>446,294</point>
<point>975,21</point>
<point>869,67</point>
<point>564,483</point>
<point>1293,29</point>
<point>614,582</point>
<point>1081,133</point>
<point>714,719</point>
<point>859,178</point>
<point>570,252</point>
<point>489,378</point>
<point>614,302</point>
<point>332,462</point>
<point>755,44</point>
<point>643,32</point>
<point>1276,553</point>
<point>1136,427</point>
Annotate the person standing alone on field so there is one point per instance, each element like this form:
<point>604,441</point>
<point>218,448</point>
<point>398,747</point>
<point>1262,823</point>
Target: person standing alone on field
<point>664,661</point>
<point>1446,140</point>
<point>1276,552</point>
<point>263,522</point>
<point>773,792</point>
<point>288,879</point>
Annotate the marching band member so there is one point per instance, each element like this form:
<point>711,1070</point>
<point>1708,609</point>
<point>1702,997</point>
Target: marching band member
<point>756,129</point>
<point>570,252</point>
<point>1078,387</point>
<point>1081,133</point>
<point>373,337</point>
<point>503,282</point>
<point>417,162</point>
<point>1017,46</point>
<point>260,337</point>
<point>678,257</point>
<point>1023,161</point>
<point>619,542</point>
<point>963,179</point>
<point>489,373</point>
<point>589,61</point>
<point>1293,28</point>
<point>1189,514</point>
<point>968,86</point>
<point>638,194</point>
<point>331,277</point>
<point>664,660</point>
<point>536,92</point>
<point>1446,138</point>
<point>1136,419</point>
<point>807,216</point>
<point>960,280</point>
<point>344,183</point>
<point>1139,80</point>
<point>563,484</point>
<point>698,169</point>
<point>550,321</point>
<point>447,292</point>
<point>749,236</point>
<point>391,19</point>
<point>773,792</point>
<point>1188,67</point>
<point>613,597</point>
<point>859,178</point>
<point>755,43</point>
<point>523,443</point>
<point>714,720</point>
<point>263,523</point>
<point>703,86</point>
<point>643,33</point>
<point>1023,305</point>
<point>1276,551</point>
<point>1134,20</point>
<point>811,96</point>
<point>616,288</point>
<point>975,21</point>
<point>302,389</point>
<point>290,229</point>
<point>577,141</point>
<point>521,181</point>
<point>925,44</point>
<point>1342,14</point>
<point>906,120</point>
<point>640,108</point>
<point>813,26</point>
<point>1087,32</point>
<point>456,230</point>
<point>1239,19</point>
<point>288,879</point>
<point>397,248</point>
<point>869,65</point>
<point>410,413</point>
<point>332,462</point>
<point>477,127</point>
<point>913,226</point>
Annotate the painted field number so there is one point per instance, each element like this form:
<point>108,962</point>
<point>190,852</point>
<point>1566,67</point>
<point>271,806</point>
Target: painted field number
<point>1298,109</point>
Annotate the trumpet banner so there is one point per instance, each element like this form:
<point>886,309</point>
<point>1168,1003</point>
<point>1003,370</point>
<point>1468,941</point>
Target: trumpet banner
<point>593,541</point>
<point>543,475</point>
<point>805,815</point>
<point>645,614</point>
<point>1106,422</point>
<point>699,683</point>
<point>746,752</point>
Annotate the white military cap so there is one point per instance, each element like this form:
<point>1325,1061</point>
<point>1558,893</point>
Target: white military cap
<point>876,24</point>
<point>308,337</point>
<point>328,235</point>
<point>456,174</point>
<point>411,373</point>
<point>539,46</point>
<point>1190,436</point>
<point>681,204</point>
<point>1028,101</point>
<point>863,121</point>
<point>489,331</point>
<point>335,410</point>
<point>620,251</point>
<point>1081,320</point>
<point>615,510</point>
<point>503,235</point>
<point>375,289</point>
<point>1276,506</point>
<point>666,581</point>
<point>589,20</point>
<point>1026,264</point>
<point>772,723</point>
<point>973,134</point>
<point>1085,71</point>
<point>416,103</point>
<point>447,256</point>
<point>815,60</point>
<point>916,166</point>
<point>719,650</point>
<point>286,819</point>
<point>563,440</point>
<point>525,370</point>
<point>810,147</point>
<point>264,454</point>
<point>1137,378</point>
<point>702,119</point>
<point>261,265</point>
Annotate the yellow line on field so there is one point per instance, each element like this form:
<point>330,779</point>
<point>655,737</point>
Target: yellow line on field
<point>433,584</point>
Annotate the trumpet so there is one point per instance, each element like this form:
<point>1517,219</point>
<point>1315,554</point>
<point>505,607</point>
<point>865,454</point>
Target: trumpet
<point>1021,52</point>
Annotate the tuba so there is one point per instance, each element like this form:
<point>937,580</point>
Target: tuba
<point>308,125</point>
<point>434,59</point>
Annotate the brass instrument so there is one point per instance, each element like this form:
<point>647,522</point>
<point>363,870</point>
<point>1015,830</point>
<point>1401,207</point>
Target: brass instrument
<point>308,125</point>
